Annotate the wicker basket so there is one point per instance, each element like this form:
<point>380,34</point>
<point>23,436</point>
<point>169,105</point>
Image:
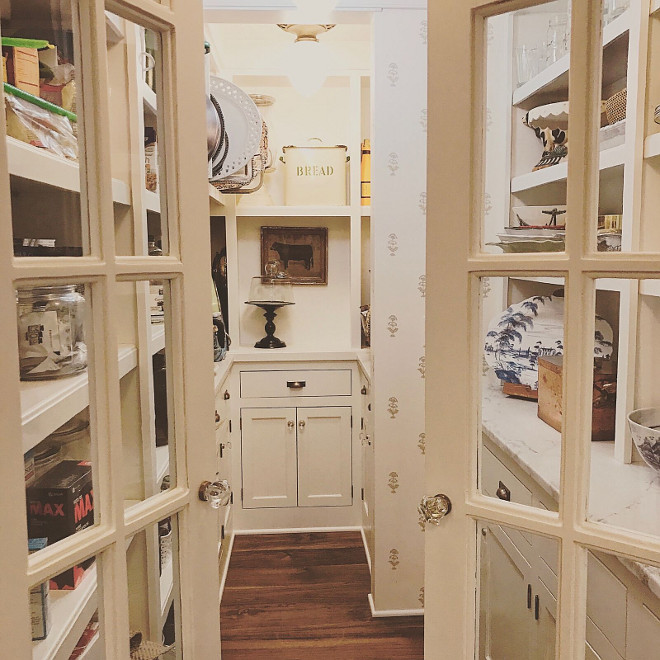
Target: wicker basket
<point>615,107</point>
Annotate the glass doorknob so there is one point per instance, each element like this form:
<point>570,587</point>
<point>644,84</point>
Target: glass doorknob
<point>216,493</point>
<point>434,509</point>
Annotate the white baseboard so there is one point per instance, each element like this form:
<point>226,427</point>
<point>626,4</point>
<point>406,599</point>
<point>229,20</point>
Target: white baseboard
<point>385,613</point>
<point>223,577</point>
<point>295,530</point>
<point>366,548</point>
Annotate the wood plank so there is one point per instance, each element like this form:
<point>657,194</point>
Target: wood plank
<point>296,596</point>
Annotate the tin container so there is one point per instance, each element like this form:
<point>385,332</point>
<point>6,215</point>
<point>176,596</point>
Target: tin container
<point>50,332</point>
<point>315,176</point>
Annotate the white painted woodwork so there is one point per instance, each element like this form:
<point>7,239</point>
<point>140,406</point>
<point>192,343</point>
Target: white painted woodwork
<point>606,603</point>
<point>643,631</point>
<point>268,457</point>
<point>324,457</point>
<point>273,384</point>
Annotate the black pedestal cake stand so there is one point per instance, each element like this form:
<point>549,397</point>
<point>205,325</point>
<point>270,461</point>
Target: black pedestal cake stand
<point>270,340</point>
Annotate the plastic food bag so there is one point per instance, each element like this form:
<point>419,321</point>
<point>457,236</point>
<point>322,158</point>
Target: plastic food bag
<point>39,127</point>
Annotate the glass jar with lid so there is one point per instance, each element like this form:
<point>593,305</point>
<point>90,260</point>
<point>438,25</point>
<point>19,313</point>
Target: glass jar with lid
<point>51,331</point>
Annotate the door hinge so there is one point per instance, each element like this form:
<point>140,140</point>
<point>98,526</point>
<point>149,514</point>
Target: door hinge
<point>230,425</point>
<point>362,493</point>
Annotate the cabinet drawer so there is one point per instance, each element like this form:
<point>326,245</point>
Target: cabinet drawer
<point>308,383</point>
<point>493,472</point>
<point>606,605</point>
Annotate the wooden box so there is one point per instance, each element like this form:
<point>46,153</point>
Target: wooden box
<point>550,397</point>
<point>22,68</point>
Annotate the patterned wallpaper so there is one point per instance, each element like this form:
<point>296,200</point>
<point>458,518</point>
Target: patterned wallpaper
<point>399,209</point>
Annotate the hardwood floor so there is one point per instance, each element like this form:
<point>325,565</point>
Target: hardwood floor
<point>304,597</point>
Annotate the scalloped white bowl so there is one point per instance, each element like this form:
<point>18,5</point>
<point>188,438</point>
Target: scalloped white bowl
<point>644,425</point>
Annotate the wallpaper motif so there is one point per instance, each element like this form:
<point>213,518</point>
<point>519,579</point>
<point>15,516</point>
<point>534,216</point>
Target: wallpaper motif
<point>399,207</point>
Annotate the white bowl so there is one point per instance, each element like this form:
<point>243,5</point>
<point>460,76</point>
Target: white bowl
<point>645,428</point>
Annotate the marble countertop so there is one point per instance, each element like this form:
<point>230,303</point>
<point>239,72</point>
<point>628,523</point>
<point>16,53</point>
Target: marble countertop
<point>621,495</point>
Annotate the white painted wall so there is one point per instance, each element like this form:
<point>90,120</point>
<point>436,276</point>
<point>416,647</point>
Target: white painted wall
<point>398,258</point>
<point>320,319</point>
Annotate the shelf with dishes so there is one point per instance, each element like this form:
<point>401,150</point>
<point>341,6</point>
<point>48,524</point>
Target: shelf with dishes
<point>552,82</point>
<point>43,167</point>
<point>601,284</point>
<point>610,159</point>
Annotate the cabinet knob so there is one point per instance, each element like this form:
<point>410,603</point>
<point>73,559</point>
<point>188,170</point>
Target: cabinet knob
<point>226,396</point>
<point>296,384</point>
<point>217,416</point>
<point>290,424</point>
<point>364,390</point>
<point>301,424</point>
<point>503,492</point>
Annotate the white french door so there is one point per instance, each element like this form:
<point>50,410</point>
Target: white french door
<point>107,387</point>
<point>542,305</point>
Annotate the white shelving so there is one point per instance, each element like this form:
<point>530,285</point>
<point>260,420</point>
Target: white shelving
<point>650,288</point>
<point>215,196</point>
<point>93,650</point>
<point>609,158</point>
<point>166,588</point>
<point>157,337</point>
<point>70,613</point>
<point>292,211</point>
<point>34,164</point>
<point>554,79</point>
<point>114,28</point>
<point>655,7</point>
<point>151,201</point>
<point>652,144</point>
<point>162,463</point>
<point>601,284</point>
<point>150,99</point>
<point>47,404</point>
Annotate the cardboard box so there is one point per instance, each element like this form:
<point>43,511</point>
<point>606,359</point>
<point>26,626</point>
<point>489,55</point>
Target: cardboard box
<point>61,503</point>
<point>22,66</point>
<point>39,599</point>
<point>604,397</point>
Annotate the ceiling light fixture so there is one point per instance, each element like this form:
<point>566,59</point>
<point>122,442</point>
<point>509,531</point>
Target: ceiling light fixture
<point>307,60</point>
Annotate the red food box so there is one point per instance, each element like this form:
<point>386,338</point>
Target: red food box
<point>59,504</point>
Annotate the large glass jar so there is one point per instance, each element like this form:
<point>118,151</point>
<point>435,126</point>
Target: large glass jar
<point>50,332</point>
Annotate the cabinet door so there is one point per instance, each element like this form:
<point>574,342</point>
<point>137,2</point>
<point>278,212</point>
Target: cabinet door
<point>643,631</point>
<point>268,457</point>
<point>324,457</point>
<point>505,617</point>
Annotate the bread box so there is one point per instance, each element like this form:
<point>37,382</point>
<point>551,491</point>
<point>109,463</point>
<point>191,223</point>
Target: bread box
<point>604,396</point>
<point>315,175</point>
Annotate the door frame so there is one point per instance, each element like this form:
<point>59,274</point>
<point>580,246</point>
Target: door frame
<point>455,266</point>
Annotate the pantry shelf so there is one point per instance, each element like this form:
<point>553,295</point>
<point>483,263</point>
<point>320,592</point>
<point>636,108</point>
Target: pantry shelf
<point>157,337</point>
<point>652,144</point>
<point>601,284</point>
<point>166,589</point>
<point>293,211</point>
<point>215,196</point>
<point>162,463</point>
<point>151,201</point>
<point>40,166</point>
<point>609,159</point>
<point>47,404</point>
<point>150,100</point>
<point>553,80</point>
<point>114,29</point>
<point>70,613</point>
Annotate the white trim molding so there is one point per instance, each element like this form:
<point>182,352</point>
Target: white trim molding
<point>381,614</point>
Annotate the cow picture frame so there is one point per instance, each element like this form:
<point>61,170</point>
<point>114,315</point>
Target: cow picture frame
<point>302,253</point>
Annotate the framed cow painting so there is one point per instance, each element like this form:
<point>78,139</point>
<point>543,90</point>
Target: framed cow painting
<point>299,254</point>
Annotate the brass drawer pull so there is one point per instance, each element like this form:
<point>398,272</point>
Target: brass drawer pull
<point>296,384</point>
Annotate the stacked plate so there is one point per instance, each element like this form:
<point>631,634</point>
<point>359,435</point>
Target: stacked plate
<point>523,239</point>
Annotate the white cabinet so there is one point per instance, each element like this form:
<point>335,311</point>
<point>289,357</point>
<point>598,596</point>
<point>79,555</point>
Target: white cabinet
<point>296,457</point>
<point>268,457</point>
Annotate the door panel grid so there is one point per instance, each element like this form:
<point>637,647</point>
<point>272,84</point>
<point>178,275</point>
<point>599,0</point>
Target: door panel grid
<point>457,287</point>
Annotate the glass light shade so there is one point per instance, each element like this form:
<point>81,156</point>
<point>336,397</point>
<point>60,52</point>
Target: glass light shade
<point>314,11</point>
<point>267,290</point>
<point>308,64</point>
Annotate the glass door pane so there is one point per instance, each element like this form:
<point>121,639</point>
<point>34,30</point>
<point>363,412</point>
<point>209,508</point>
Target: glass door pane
<point>44,118</point>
